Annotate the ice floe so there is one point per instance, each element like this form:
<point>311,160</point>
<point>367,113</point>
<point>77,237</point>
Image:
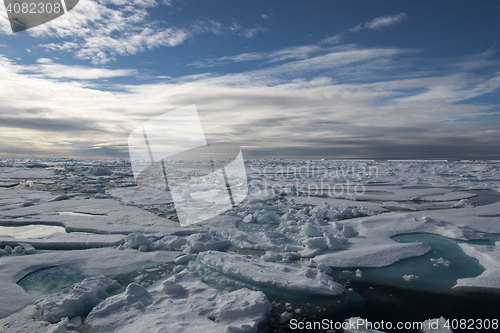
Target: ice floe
<point>12,269</point>
<point>301,280</point>
<point>79,302</point>
<point>181,304</point>
<point>489,281</point>
<point>288,235</point>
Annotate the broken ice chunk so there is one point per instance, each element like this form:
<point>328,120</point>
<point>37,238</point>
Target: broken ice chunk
<point>441,261</point>
<point>28,249</point>
<point>135,241</point>
<point>308,281</point>
<point>315,243</point>
<point>264,217</point>
<point>183,258</point>
<point>204,242</point>
<point>36,326</point>
<point>171,243</point>
<point>324,268</point>
<point>310,230</point>
<point>271,256</point>
<point>310,253</point>
<point>410,277</point>
<point>85,295</point>
<point>348,231</point>
<point>249,219</point>
<point>181,304</point>
<point>285,316</point>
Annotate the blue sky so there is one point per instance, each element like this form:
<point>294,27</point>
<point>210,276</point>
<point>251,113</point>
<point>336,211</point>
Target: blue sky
<point>328,79</point>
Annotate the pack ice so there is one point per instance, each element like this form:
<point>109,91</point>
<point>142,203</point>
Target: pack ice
<point>288,236</point>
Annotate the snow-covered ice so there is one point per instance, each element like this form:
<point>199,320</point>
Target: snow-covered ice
<point>83,297</point>
<point>302,280</point>
<point>489,281</point>
<point>290,235</point>
<point>181,304</point>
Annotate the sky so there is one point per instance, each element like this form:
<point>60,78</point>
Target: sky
<point>334,79</point>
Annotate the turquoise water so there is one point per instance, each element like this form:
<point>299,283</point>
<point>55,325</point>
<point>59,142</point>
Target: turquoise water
<point>433,276</point>
<point>56,279</point>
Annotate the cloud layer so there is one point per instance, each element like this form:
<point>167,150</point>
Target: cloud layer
<point>312,101</point>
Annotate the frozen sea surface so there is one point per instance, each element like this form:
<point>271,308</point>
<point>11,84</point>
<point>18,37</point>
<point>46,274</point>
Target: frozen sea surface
<point>312,240</point>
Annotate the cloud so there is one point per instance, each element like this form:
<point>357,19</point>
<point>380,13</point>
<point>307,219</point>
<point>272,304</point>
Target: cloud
<point>382,22</point>
<point>298,52</point>
<point>59,71</point>
<point>290,53</point>
<point>342,101</point>
<point>375,24</point>
<point>96,31</point>
<point>102,30</point>
<point>250,33</point>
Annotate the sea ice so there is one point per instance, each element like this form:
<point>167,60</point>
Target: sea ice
<point>200,242</point>
<point>489,280</point>
<point>301,280</point>
<point>26,173</point>
<point>35,326</point>
<point>271,256</point>
<point>12,269</point>
<point>410,277</point>
<point>84,296</point>
<point>181,304</point>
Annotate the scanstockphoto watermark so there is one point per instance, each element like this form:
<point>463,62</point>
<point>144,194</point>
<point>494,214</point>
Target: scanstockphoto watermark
<point>335,180</point>
<point>26,14</point>
<point>363,325</point>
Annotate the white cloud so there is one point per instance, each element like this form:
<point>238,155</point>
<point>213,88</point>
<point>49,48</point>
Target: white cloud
<point>375,24</point>
<point>99,33</point>
<point>58,71</point>
<point>250,33</point>
<point>382,22</point>
<point>298,52</point>
<point>44,61</point>
<point>288,108</point>
<point>290,53</point>
<point>101,30</point>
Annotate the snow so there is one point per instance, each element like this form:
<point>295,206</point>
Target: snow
<point>287,238</point>
<point>203,242</point>
<point>410,277</point>
<point>30,326</point>
<point>72,241</point>
<point>31,231</point>
<point>271,256</point>
<point>12,269</point>
<point>285,316</point>
<point>25,173</point>
<point>103,216</point>
<point>489,281</point>
<point>84,296</point>
<point>141,195</point>
<point>181,304</point>
<point>136,241</point>
<point>301,280</point>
